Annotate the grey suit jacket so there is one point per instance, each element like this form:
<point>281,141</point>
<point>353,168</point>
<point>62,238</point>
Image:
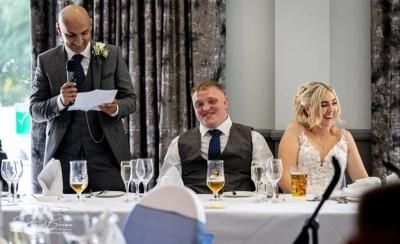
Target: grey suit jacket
<point>108,73</point>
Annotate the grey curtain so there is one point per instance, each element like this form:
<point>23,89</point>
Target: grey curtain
<point>168,46</point>
<point>385,65</point>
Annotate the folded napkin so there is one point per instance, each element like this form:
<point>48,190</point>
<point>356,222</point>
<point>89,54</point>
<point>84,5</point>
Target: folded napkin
<point>50,179</point>
<point>172,177</point>
<point>392,178</point>
<point>360,186</point>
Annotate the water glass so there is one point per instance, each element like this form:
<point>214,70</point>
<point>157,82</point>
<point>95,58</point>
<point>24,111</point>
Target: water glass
<point>147,163</point>
<point>273,172</point>
<point>9,173</point>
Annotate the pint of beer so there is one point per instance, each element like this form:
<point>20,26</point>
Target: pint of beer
<point>298,176</point>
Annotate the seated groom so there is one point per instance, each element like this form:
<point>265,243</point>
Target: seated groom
<point>236,144</point>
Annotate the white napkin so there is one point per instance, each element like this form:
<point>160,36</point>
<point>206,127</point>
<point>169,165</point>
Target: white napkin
<point>172,177</point>
<point>360,186</point>
<point>392,178</point>
<point>50,179</point>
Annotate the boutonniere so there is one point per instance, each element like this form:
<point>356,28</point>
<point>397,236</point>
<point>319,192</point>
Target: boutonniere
<point>100,50</point>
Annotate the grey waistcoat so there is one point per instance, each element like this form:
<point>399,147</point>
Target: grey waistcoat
<point>237,157</point>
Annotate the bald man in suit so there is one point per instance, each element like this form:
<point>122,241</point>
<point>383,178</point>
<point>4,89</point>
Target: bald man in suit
<point>95,136</point>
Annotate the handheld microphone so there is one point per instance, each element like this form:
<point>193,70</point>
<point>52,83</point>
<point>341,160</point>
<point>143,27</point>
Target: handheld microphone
<point>70,70</point>
<point>312,223</point>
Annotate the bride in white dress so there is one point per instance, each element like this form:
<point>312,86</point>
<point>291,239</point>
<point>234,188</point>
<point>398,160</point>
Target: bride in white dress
<point>312,139</point>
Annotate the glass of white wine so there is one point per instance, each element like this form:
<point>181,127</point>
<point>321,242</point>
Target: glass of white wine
<point>78,177</point>
<point>126,174</point>
<point>257,173</point>
<point>215,177</point>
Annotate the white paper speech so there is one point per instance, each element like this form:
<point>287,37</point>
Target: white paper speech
<point>91,100</point>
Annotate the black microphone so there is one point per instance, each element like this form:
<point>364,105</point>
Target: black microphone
<point>390,166</point>
<point>312,223</point>
<point>70,69</point>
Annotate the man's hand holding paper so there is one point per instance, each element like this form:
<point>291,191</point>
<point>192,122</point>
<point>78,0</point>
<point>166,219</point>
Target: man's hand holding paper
<point>100,100</point>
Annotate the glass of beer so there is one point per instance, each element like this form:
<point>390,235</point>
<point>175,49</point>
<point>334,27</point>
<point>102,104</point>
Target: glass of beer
<point>78,177</point>
<point>298,177</point>
<point>215,177</point>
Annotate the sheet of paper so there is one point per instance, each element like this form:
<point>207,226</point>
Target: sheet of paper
<point>91,100</point>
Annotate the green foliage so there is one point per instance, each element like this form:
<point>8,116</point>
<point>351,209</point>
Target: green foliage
<point>15,51</point>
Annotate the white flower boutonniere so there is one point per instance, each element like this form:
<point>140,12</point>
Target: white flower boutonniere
<point>100,50</point>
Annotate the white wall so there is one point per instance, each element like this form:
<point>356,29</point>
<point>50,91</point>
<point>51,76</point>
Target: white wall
<point>273,46</point>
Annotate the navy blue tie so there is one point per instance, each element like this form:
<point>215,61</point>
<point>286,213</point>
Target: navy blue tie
<point>79,74</point>
<point>214,148</point>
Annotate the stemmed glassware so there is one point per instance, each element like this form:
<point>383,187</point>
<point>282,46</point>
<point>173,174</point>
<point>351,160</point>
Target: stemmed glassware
<point>135,177</point>
<point>126,174</point>
<point>78,177</point>
<point>140,172</point>
<point>147,163</point>
<point>18,175</point>
<point>273,173</point>
<point>9,173</point>
<point>215,177</point>
<point>257,172</point>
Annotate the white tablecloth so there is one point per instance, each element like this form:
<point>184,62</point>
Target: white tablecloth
<point>241,221</point>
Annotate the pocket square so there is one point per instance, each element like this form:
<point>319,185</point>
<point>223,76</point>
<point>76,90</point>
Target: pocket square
<point>50,179</point>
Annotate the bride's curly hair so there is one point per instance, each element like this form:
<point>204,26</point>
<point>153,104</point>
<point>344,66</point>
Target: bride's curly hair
<point>307,103</point>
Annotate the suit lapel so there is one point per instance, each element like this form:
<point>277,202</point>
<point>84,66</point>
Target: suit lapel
<point>59,67</point>
<point>96,68</point>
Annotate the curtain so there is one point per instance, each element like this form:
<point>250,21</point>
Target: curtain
<point>385,69</point>
<point>168,46</point>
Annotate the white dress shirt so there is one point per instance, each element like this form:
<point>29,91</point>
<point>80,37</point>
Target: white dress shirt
<point>261,151</point>
<point>85,65</point>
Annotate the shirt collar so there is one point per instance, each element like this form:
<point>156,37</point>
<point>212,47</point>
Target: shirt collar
<point>85,52</point>
<point>224,127</point>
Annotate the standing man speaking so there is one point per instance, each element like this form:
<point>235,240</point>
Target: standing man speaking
<point>95,136</point>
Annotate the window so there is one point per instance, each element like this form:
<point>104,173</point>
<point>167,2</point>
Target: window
<point>15,84</point>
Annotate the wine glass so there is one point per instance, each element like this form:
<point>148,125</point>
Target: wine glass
<point>273,172</point>
<point>135,178</point>
<point>19,171</point>
<point>78,177</point>
<point>257,172</point>
<point>8,172</point>
<point>77,228</point>
<point>149,169</point>
<point>140,172</point>
<point>126,174</point>
<point>215,177</point>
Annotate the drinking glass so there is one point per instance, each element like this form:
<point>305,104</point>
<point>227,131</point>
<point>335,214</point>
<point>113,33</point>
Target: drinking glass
<point>78,177</point>
<point>15,180</point>
<point>9,172</point>
<point>140,172</point>
<point>298,179</point>
<point>77,228</point>
<point>126,174</point>
<point>215,177</point>
<point>273,171</point>
<point>257,172</point>
<point>135,178</point>
<point>149,169</point>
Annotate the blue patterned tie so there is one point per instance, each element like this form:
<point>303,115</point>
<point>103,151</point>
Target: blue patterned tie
<point>79,74</point>
<point>214,149</point>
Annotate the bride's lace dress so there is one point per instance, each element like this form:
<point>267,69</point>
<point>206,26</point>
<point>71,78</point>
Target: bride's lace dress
<point>320,171</point>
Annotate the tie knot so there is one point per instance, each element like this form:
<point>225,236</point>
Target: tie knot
<point>77,58</point>
<point>215,132</point>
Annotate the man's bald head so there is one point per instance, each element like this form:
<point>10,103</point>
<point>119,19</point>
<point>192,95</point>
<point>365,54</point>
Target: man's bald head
<point>75,26</point>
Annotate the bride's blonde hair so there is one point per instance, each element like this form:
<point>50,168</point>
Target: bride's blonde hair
<point>309,97</point>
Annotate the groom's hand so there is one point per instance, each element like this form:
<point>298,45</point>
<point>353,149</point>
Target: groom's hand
<point>110,108</point>
<point>68,93</point>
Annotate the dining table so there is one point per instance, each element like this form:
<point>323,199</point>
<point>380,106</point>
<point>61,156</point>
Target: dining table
<point>241,219</point>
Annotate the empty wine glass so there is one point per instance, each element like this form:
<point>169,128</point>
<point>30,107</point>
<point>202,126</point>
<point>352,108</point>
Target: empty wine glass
<point>126,174</point>
<point>78,177</point>
<point>9,172</point>
<point>135,178</point>
<point>15,180</point>
<point>215,177</point>
<point>140,171</point>
<point>149,169</point>
<point>273,172</point>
